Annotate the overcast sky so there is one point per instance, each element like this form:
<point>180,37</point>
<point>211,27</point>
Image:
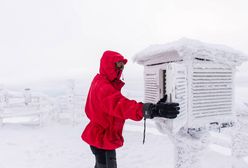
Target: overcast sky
<point>45,39</point>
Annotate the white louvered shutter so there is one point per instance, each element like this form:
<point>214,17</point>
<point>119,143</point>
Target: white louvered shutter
<point>211,94</point>
<point>151,84</point>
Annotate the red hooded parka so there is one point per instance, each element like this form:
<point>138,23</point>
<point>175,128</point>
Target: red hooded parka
<point>106,108</point>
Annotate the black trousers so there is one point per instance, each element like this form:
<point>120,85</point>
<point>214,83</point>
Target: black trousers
<point>104,158</point>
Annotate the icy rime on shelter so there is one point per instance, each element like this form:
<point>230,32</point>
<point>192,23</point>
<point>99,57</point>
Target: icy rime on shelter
<point>197,75</point>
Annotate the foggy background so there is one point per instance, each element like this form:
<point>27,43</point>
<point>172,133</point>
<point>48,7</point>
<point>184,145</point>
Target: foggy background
<point>46,42</point>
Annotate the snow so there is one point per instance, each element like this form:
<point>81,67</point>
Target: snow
<point>58,144</point>
<point>185,49</point>
<point>61,146</point>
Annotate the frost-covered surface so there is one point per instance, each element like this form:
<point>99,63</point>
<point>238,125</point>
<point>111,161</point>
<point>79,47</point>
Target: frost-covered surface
<point>189,148</point>
<point>188,49</point>
<point>200,79</point>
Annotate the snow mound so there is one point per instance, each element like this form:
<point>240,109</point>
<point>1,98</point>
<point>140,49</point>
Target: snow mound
<point>187,49</point>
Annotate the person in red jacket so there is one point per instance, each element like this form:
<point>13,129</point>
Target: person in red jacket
<point>107,110</point>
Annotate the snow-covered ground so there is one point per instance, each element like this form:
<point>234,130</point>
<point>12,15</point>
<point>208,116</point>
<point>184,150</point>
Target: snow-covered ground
<point>60,146</point>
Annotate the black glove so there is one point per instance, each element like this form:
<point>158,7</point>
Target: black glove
<point>161,109</point>
<point>167,110</point>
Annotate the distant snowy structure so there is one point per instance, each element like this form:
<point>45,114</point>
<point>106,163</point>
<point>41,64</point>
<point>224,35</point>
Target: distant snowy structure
<point>69,106</point>
<point>199,76</point>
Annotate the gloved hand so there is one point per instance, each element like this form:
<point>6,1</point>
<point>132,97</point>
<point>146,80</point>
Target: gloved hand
<point>161,109</point>
<point>167,109</point>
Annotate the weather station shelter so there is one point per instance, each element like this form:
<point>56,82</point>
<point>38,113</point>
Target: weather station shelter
<point>199,76</point>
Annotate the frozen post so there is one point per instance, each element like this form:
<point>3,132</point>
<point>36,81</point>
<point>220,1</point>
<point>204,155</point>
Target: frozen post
<point>189,145</point>
<point>71,99</point>
<point>27,96</point>
<point>1,103</point>
<point>199,76</point>
<point>240,137</point>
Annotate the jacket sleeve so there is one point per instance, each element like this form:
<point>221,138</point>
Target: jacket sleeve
<point>115,104</point>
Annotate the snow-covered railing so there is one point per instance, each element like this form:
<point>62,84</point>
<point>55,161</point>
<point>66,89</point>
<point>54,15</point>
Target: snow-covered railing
<point>26,108</point>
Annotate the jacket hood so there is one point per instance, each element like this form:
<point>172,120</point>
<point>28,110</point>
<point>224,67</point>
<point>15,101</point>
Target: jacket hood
<point>107,65</point>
